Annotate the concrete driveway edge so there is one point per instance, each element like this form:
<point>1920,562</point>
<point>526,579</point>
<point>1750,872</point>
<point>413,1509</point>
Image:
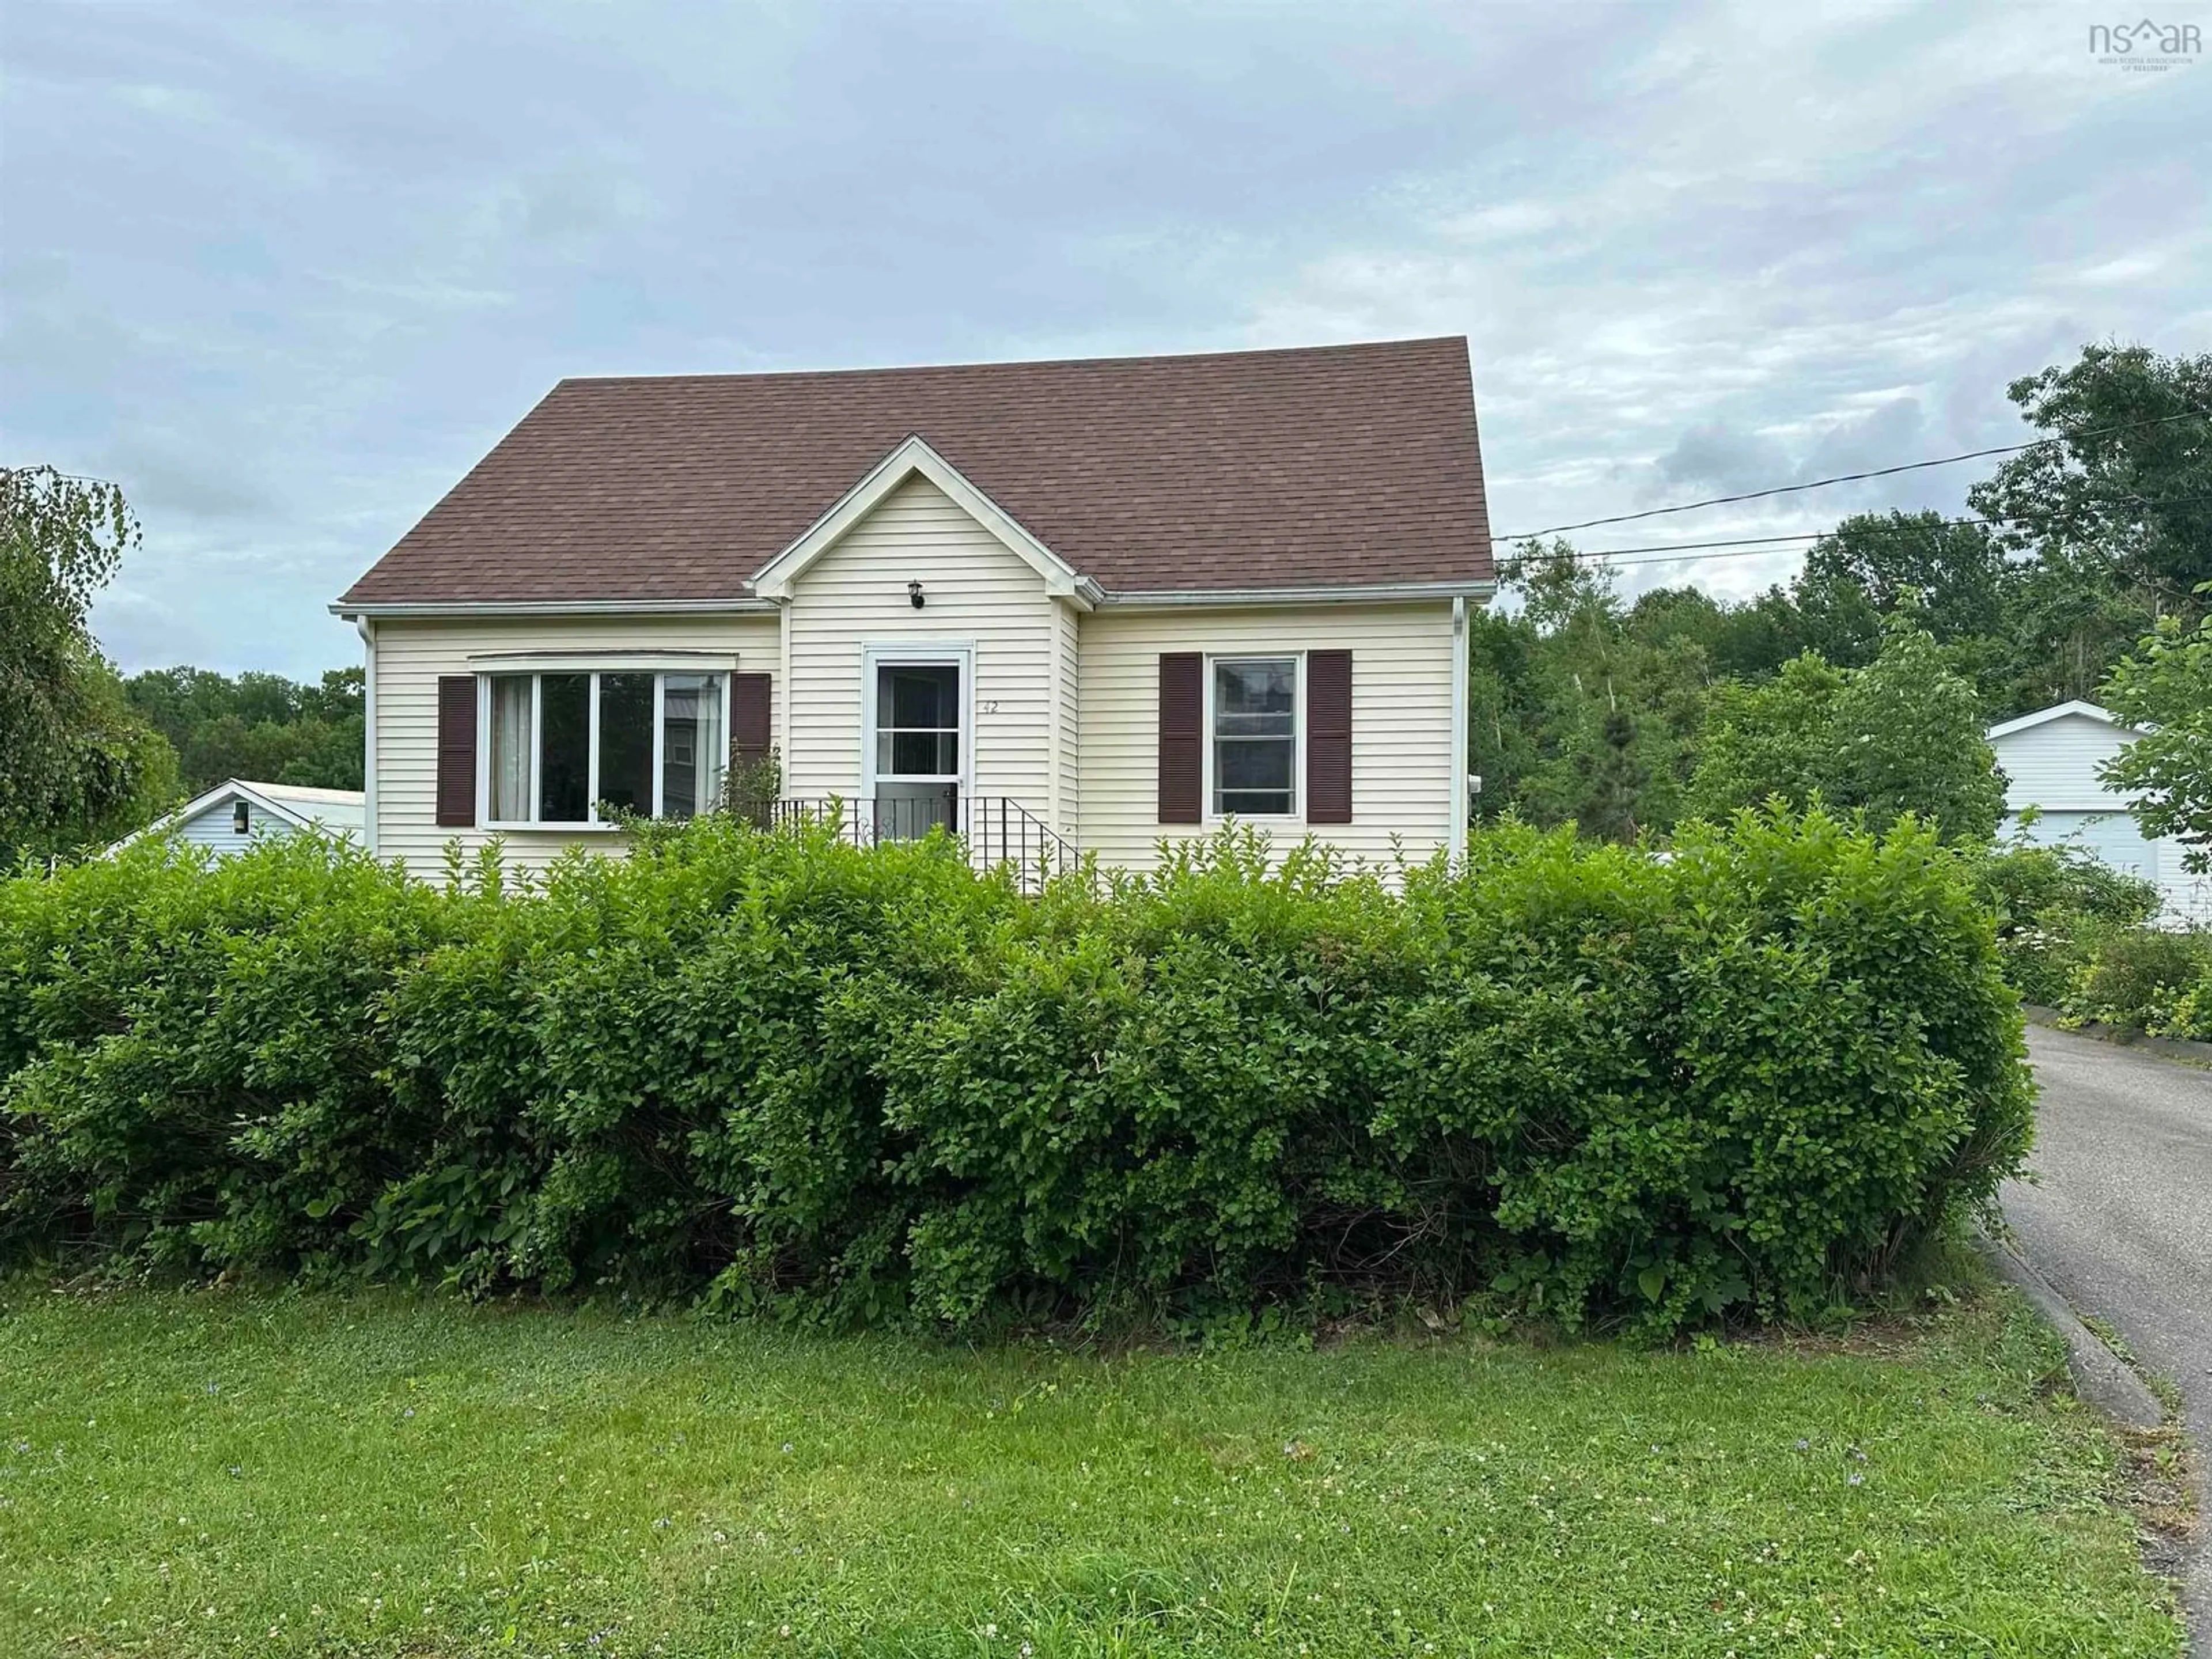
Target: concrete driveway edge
<point>2181,1048</point>
<point>2101,1378</point>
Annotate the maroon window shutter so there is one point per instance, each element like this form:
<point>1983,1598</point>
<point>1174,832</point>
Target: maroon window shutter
<point>1329,737</point>
<point>1182,737</point>
<point>457,751</point>
<point>750,733</point>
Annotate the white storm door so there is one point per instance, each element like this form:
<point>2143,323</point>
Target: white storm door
<point>917,736</point>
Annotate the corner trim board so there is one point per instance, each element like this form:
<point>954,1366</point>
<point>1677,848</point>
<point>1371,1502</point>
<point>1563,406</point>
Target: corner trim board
<point>1456,800</point>
<point>367,628</point>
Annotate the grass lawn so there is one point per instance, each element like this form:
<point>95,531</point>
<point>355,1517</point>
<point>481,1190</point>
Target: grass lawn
<point>188,1474</point>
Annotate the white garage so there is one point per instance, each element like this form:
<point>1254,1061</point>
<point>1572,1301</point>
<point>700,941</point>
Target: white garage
<point>2051,760</point>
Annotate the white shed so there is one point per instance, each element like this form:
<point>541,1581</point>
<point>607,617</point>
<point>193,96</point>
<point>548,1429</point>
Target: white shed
<point>228,816</point>
<point>2051,760</point>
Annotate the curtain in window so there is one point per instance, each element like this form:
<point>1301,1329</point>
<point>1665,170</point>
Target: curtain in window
<point>692,749</point>
<point>510,748</point>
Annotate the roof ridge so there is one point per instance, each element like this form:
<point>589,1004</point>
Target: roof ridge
<point>304,791</point>
<point>1243,354</point>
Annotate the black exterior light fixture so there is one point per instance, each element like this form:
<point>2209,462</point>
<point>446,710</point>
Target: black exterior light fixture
<point>914,592</point>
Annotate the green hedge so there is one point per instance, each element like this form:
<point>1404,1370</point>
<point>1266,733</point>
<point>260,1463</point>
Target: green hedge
<point>776,1072</point>
<point>2078,936</point>
<point>2145,979</point>
<point>2055,907</point>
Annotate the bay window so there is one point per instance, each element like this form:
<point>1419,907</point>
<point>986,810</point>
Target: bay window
<point>575,747</point>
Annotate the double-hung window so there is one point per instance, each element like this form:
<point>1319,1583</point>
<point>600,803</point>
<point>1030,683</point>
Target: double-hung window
<point>570,747</point>
<point>1252,740</point>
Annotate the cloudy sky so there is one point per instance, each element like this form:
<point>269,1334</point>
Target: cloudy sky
<point>285,272</point>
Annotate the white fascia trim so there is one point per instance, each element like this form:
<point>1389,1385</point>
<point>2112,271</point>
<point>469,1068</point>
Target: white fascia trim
<point>773,580</point>
<point>1346,593</point>
<point>2056,711</point>
<point>557,608</point>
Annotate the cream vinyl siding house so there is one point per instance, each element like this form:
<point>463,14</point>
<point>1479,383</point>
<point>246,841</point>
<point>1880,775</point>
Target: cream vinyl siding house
<point>1402,771</point>
<point>408,657</point>
<point>981,608</point>
<point>1055,610</point>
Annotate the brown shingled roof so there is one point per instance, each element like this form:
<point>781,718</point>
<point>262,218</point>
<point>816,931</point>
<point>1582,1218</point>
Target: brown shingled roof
<point>1331,465</point>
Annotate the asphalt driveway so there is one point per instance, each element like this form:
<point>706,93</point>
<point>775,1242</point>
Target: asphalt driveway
<point>2121,1218</point>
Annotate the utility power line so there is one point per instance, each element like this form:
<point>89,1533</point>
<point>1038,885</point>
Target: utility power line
<point>1735,547</point>
<point>1853,477</point>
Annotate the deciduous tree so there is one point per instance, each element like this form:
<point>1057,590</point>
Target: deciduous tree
<point>2166,687</point>
<point>2127,479</point>
<point>259,726</point>
<point>1903,734</point>
<point>77,763</point>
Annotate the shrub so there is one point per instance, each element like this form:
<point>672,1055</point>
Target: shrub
<point>775,1072</point>
<point>2053,904</point>
<point>2189,1014</point>
<point>2141,977</point>
<point>191,1053</point>
<point>1902,734</point>
<point>2075,934</point>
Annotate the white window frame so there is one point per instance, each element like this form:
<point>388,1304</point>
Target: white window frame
<point>1298,812</point>
<point>952,654</point>
<point>593,823</point>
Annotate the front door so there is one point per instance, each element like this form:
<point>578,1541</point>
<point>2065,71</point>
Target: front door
<point>917,748</point>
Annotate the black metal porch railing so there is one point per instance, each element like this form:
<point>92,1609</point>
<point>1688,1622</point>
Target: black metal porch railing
<point>995,829</point>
